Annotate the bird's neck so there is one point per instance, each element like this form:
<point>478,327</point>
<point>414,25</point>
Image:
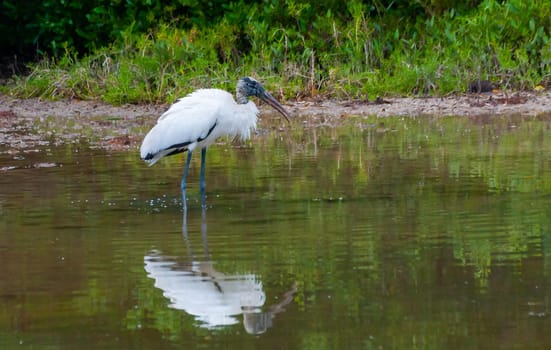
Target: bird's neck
<point>242,99</point>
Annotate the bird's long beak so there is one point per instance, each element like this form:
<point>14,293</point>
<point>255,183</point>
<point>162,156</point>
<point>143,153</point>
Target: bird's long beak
<point>269,99</point>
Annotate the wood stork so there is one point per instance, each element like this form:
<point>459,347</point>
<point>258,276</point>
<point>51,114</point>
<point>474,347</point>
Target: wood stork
<point>199,118</point>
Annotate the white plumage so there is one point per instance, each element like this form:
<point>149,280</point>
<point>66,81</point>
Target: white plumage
<point>187,123</point>
<point>201,117</point>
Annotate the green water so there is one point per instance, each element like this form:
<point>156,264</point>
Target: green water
<point>379,234</point>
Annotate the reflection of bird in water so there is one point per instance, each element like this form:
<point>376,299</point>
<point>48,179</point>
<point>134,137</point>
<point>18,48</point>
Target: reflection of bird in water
<point>258,322</point>
<point>213,297</point>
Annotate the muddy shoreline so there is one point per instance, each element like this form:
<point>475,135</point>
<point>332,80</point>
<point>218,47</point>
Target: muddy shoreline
<point>26,122</point>
<point>524,103</point>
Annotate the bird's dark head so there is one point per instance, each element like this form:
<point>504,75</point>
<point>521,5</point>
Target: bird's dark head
<point>248,86</point>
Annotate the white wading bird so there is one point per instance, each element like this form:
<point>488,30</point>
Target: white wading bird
<point>198,119</point>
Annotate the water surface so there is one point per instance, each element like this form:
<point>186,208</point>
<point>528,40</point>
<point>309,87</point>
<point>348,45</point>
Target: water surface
<point>381,233</point>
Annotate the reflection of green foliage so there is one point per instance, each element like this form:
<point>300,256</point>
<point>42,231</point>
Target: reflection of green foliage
<point>371,220</point>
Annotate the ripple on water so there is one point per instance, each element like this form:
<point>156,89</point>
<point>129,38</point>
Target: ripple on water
<point>435,234</point>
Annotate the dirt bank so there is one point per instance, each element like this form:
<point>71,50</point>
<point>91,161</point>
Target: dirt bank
<point>523,103</point>
<point>27,122</point>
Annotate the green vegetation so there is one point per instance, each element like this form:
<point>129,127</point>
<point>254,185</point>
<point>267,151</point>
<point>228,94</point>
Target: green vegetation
<point>145,51</point>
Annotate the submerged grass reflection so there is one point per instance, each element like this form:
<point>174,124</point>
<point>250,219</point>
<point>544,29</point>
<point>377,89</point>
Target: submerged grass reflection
<point>398,232</point>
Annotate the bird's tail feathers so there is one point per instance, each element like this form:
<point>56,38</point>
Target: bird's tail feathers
<point>151,158</point>
<point>150,162</point>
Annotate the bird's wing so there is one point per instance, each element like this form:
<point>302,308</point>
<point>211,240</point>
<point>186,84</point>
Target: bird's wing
<point>197,100</point>
<point>188,121</point>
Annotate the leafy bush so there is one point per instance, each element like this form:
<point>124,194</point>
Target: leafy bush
<point>140,51</point>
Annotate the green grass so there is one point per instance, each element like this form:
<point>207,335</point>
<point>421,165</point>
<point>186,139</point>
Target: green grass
<point>507,42</point>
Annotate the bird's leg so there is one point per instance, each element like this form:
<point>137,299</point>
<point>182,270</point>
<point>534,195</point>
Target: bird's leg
<point>202,184</point>
<point>184,177</point>
<point>204,232</point>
